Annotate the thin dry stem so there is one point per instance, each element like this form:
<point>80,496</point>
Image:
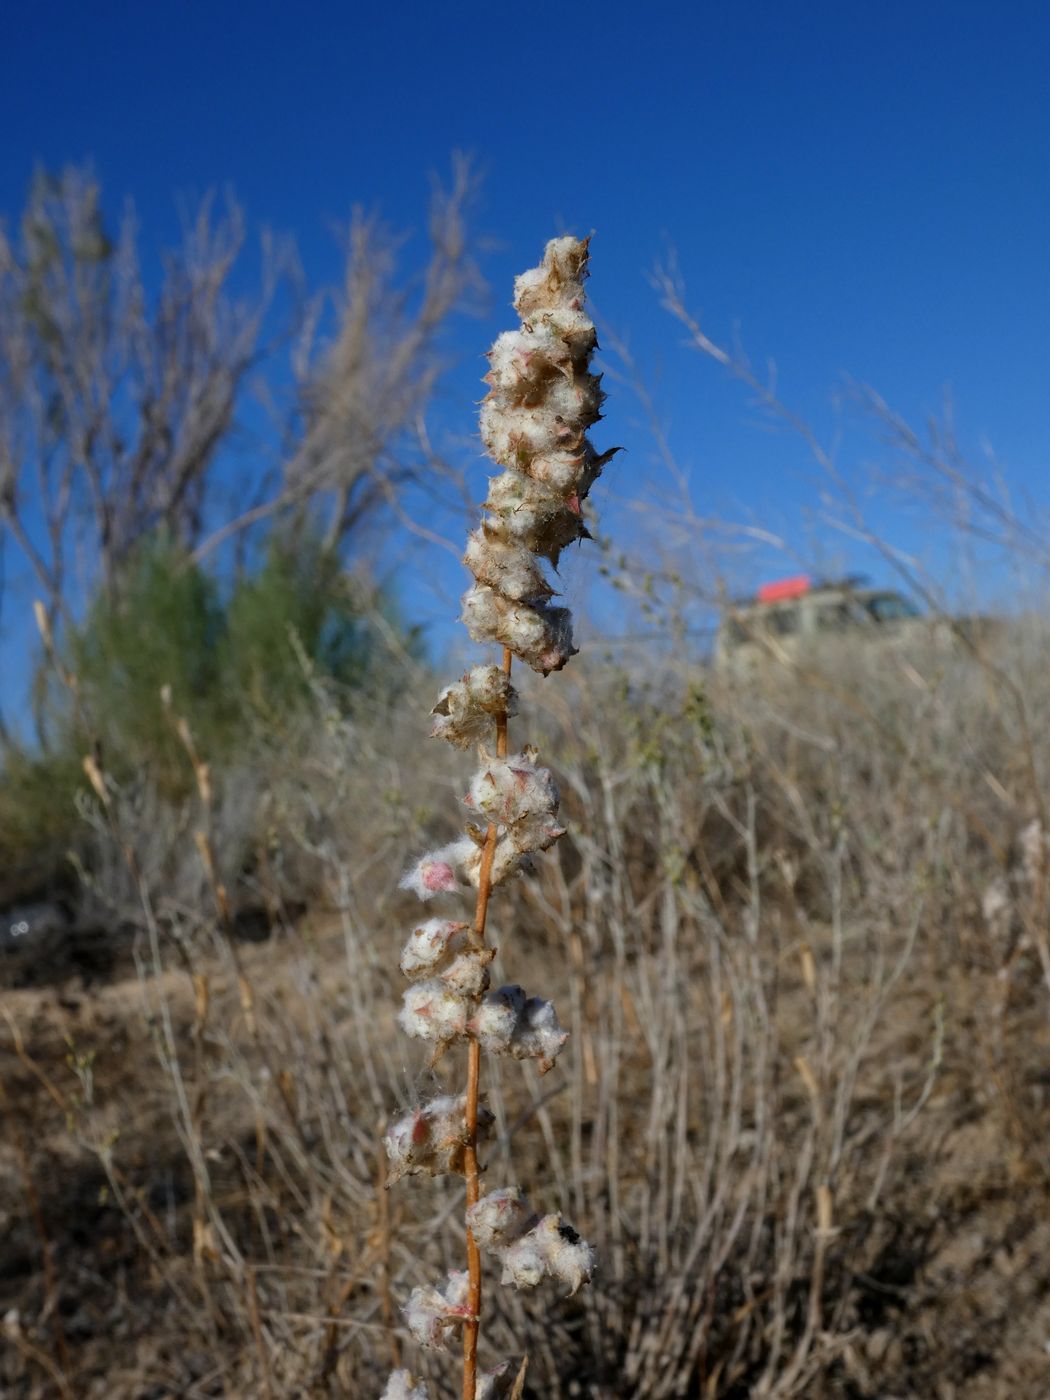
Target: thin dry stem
<point>470,1156</point>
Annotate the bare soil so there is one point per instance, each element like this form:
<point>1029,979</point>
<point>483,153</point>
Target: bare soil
<point>958,1307</point>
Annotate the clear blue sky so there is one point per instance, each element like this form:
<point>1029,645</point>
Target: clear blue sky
<point>862,189</point>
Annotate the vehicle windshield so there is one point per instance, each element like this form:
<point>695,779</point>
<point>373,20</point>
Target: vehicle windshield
<point>891,607</point>
<point>834,615</point>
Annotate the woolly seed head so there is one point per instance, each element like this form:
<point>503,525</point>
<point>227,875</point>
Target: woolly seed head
<point>505,565</point>
<point>468,975</point>
<point>570,1260</point>
<point>523,1263</point>
<point>521,363</point>
<point>434,873</point>
<point>507,860</point>
<point>432,1011</point>
<point>431,1313</point>
<point>537,1034</point>
<point>540,635</point>
<point>509,789</point>
<point>500,1217</point>
<point>534,423</point>
<point>493,1022</point>
<point>402,1385</point>
<point>550,1248</point>
<point>430,946</point>
<point>495,1383</point>
<point>430,1140</point>
<point>557,282</point>
<point>464,712</point>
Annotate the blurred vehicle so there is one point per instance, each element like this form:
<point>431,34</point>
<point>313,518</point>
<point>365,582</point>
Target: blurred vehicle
<point>795,615</point>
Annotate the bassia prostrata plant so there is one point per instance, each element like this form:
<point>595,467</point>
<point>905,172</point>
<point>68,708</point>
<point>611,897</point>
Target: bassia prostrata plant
<point>534,421</point>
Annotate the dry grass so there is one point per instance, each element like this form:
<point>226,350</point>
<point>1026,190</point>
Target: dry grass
<point>802,1120</point>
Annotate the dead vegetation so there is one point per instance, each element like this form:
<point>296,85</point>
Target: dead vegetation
<point>802,1123</point>
<point>799,934</point>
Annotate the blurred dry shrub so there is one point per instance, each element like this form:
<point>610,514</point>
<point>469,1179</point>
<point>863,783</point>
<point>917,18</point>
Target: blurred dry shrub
<point>165,438</point>
<point>805,919</point>
<point>777,968</point>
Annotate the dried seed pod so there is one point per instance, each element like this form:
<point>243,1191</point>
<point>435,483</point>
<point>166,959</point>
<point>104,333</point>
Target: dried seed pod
<point>576,400</point>
<point>531,515</point>
<point>430,1140</point>
<point>493,1022</point>
<point>507,860</point>
<point>435,872</point>
<point>500,1217</point>
<point>557,282</point>
<point>569,1259</point>
<point>508,789</point>
<point>540,635</point>
<point>463,713</point>
<point>536,832</point>
<point>509,1023</point>
<point>521,798</point>
<point>570,471</point>
<point>468,975</point>
<point>402,1385</point>
<point>537,1034</point>
<point>545,1248</point>
<point>432,1011</point>
<point>512,433</point>
<point>431,946</point>
<point>431,1313</point>
<point>523,1264</point>
<point>573,328</point>
<point>506,566</point>
<point>521,363</point>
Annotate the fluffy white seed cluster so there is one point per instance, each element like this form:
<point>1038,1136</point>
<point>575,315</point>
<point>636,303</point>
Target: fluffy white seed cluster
<point>444,947</point>
<point>435,872</point>
<point>402,1386</point>
<point>521,799</point>
<point>509,1023</point>
<point>465,711</point>
<point>507,859</point>
<point>491,1385</point>
<point>431,946</point>
<point>432,1313</point>
<point>534,420</point>
<point>530,1248</point>
<point>500,1218</point>
<point>504,1022</point>
<point>431,1140</point>
<point>435,1012</point>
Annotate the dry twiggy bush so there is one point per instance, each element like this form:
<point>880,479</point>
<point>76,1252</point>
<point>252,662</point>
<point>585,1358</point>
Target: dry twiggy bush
<point>806,1081</point>
<point>748,931</point>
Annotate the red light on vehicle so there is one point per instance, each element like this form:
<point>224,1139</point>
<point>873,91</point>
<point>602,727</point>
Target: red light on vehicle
<point>784,588</point>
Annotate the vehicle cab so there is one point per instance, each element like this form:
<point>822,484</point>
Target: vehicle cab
<point>786,615</point>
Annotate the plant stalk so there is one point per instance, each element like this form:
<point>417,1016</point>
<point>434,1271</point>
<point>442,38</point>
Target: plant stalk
<point>470,1156</point>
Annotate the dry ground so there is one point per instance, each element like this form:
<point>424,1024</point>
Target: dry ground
<point>956,1303</point>
<point>802,1117</point>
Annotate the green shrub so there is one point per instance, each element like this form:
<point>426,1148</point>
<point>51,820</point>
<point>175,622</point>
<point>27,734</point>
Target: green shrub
<point>239,664</point>
<point>166,627</point>
<point>300,607</point>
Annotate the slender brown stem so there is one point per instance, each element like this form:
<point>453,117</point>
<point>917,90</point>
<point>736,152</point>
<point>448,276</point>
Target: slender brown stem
<point>470,1156</point>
